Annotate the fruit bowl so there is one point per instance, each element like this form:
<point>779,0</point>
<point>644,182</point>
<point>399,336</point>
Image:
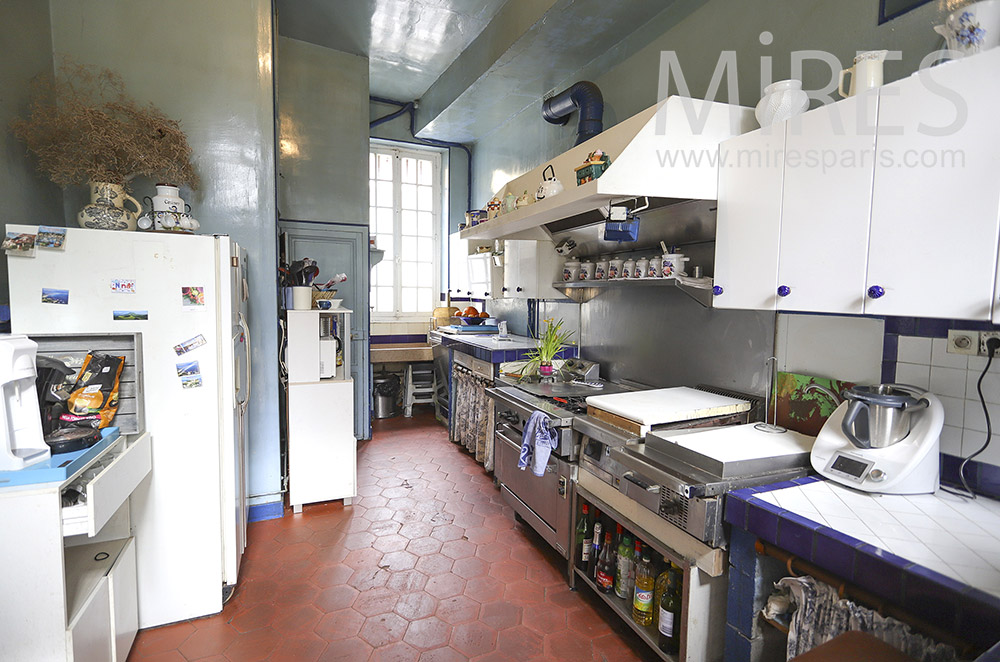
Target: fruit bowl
<point>473,321</point>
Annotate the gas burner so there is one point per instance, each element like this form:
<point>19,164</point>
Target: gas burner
<point>575,404</point>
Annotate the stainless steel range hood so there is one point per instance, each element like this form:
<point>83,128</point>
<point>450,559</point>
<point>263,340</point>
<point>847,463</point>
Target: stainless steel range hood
<point>667,153</point>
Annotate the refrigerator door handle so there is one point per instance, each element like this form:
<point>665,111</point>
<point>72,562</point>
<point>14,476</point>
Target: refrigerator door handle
<point>249,377</point>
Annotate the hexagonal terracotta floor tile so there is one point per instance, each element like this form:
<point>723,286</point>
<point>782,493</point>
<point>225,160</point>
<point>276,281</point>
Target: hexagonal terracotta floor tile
<point>384,528</point>
<point>443,654</point>
<point>252,646</point>
<point>588,622</point>
<point>341,624</point>
<point>524,592</point>
<point>297,594</point>
<point>434,564</point>
<point>363,558</point>
<point>544,618</point>
<point>299,647</point>
<point>447,532</point>
<point>397,561</point>
<point>445,586</point>
<point>390,542</point>
<point>358,540</point>
<point>336,597</point>
<point>347,650</point>
<point>520,643</point>
<point>493,552</point>
<point>424,545</point>
<point>383,629</point>
<point>568,645</point>
<point>508,571</point>
<point>365,579</point>
<point>484,589</point>
<point>474,638</point>
<point>416,530</point>
<point>500,615</point>
<point>427,633</point>
<point>376,601</point>
<point>331,575</point>
<point>413,606</point>
<point>256,617</point>
<point>468,568</point>
<point>397,652</point>
<point>458,609</point>
<point>207,641</point>
<point>407,581</point>
<point>458,549</point>
<point>293,620</point>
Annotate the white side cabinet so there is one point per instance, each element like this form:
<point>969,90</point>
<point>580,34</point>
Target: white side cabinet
<point>458,265</point>
<point>322,449</point>
<point>749,219</point>
<point>936,202</point>
<point>529,270</point>
<point>71,593</point>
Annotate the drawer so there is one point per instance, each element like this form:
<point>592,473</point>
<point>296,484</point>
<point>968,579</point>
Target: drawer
<point>477,366</point>
<point>108,489</point>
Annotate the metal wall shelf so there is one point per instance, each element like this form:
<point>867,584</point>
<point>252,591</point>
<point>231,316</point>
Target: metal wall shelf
<point>583,291</point>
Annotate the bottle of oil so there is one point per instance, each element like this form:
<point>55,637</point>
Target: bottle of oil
<point>645,584</point>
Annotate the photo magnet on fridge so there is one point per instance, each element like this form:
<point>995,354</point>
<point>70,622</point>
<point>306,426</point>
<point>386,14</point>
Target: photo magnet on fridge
<point>51,238</point>
<point>123,285</point>
<point>50,295</point>
<point>188,369</point>
<point>192,297</point>
<point>130,315</point>
<point>19,244</point>
<point>191,381</point>
<point>191,343</point>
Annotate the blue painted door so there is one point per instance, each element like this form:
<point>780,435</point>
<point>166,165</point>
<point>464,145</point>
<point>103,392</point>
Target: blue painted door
<point>340,248</point>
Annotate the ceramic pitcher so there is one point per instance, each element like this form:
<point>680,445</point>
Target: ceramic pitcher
<point>972,29</point>
<point>106,210</point>
<point>866,74</point>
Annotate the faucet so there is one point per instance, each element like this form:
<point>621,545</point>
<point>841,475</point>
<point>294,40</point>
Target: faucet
<point>822,389</point>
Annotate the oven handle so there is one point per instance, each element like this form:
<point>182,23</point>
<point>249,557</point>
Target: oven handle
<point>602,432</point>
<point>630,477</point>
<point>664,478</point>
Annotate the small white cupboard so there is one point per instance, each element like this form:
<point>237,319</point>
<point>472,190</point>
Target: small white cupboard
<point>887,203</point>
<point>529,270</point>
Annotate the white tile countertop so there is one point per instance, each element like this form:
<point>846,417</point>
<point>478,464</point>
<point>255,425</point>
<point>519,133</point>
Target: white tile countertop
<point>952,535</point>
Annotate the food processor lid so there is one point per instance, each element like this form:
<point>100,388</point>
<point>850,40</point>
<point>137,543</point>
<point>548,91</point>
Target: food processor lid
<point>896,396</point>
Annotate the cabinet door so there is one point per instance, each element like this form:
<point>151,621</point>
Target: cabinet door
<point>933,246</point>
<point>90,631</point>
<point>749,219</point>
<point>513,285</point>
<point>124,603</point>
<point>479,276</point>
<point>548,269</point>
<point>826,207</point>
<point>322,451</point>
<point>458,268</point>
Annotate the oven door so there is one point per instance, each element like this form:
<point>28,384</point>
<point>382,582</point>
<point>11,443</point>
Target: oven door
<point>544,502</point>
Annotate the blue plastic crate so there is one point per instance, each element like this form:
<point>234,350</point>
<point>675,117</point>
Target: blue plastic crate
<point>621,230</point>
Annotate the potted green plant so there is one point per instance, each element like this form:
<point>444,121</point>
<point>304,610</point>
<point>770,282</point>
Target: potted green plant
<point>550,343</point>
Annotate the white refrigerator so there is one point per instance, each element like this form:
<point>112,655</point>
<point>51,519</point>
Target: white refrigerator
<point>187,295</point>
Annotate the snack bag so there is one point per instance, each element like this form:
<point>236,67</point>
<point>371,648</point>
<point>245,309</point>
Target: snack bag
<point>94,399</point>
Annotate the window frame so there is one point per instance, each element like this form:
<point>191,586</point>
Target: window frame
<point>399,151</point>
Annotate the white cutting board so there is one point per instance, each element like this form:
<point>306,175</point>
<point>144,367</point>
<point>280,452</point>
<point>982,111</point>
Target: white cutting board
<point>736,443</point>
<point>666,405</point>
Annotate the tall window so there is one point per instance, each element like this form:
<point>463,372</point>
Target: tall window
<point>405,199</point>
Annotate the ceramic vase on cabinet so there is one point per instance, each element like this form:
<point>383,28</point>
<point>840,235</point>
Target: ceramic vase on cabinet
<point>106,210</point>
<point>168,198</point>
<point>972,29</point>
<point>781,101</point>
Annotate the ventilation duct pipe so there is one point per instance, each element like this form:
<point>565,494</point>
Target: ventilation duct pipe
<point>583,95</point>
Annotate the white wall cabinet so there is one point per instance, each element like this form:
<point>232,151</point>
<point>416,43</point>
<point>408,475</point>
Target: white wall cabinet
<point>530,268</point>
<point>934,222</point>
<point>458,265</point>
<point>856,221</point>
<point>749,220</point>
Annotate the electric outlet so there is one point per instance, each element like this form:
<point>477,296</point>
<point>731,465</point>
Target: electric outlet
<point>983,337</point>
<point>963,342</point>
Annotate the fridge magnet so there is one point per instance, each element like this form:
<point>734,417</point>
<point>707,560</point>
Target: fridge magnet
<point>20,244</point>
<point>50,295</point>
<point>51,238</point>
<point>188,369</point>
<point>130,315</point>
<point>123,285</point>
<point>188,345</point>
<point>191,381</point>
<point>192,296</point>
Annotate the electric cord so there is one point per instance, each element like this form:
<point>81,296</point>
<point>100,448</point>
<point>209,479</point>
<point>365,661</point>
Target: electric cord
<point>992,345</point>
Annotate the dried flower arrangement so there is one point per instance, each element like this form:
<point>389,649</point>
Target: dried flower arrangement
<point>82,127</point>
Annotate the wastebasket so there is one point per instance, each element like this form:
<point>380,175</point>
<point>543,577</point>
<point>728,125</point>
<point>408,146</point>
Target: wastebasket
<point>386,396</point>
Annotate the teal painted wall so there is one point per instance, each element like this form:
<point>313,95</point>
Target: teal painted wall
<point>213,73</point>
<point>322,134</point>
<point>28,196</point>
<point>698,30</point>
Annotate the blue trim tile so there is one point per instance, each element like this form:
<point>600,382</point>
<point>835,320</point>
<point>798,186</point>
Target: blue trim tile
<point>879,571</point>
<point>989,479</point>
<point>888,372</point>
<point>890,347</point>
<point>743,551</point>
<point>259,512</point>
<point>932,328</point>
<point>932,596</point>
<point>805,480</point>
<point>978,621</point>
<point>833,551</point>
<point>737,646</point>
<point>742,494</point>
<point>795,534</point>
<point>736,512</point>
<point>739,603</point>
<point>762,523</point>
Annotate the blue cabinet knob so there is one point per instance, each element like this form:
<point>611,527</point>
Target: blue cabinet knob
<point>717,290</point>
<point>784,291</point>
<point>876,292</point>
<point>519,289</point>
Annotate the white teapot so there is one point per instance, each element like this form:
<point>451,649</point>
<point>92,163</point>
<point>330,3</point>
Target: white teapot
<point>550,185</point>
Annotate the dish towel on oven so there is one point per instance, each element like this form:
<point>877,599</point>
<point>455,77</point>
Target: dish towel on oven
<point>537,442</point>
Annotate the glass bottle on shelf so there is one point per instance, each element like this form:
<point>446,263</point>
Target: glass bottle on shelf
<point>606,567</point>
<point>595,552</point>
<point>660,587</point>
<point>645,584</point>
<point>624,570</point>
<point>670,614</point>
<point>584,541</point>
